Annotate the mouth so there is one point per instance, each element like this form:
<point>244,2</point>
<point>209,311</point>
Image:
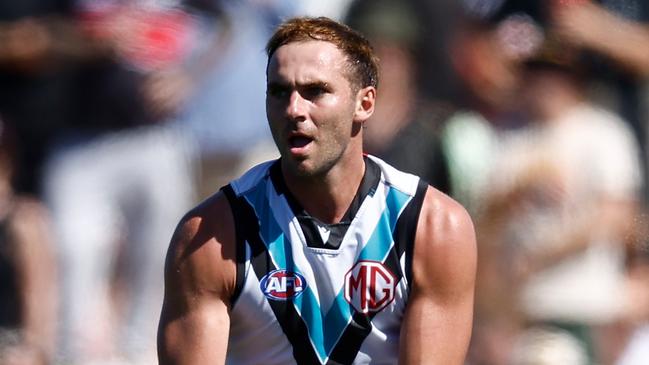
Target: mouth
<point>299,143</point>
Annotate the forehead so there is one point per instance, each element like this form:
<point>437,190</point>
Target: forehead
<point>307,61</point>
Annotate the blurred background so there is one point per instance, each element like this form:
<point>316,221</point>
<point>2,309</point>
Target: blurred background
<point>118,116</point>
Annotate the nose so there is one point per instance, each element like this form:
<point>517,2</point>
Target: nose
<point>297,106</point>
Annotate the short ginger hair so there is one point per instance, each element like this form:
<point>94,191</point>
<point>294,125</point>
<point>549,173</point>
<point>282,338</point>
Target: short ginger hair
<point>363,64</point>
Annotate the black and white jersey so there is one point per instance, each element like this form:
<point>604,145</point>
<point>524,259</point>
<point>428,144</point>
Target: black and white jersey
<point>316,293</point>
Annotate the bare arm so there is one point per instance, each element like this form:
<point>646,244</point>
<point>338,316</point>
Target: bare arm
<point>437,324</point>
<point>199,280</point>
<point>590,25</point>
<point>609,217</point>
<point>29,233</point>
<point>41,44</point>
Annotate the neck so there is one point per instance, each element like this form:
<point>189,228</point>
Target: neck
<point>327,197</point>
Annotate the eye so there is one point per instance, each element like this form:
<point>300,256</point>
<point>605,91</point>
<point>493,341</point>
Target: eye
<point>277,91</point>
<point>312,92</point>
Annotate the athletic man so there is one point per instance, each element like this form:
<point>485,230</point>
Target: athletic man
<point>327,255</point>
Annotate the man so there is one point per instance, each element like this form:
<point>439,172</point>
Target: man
<point>313,258</point>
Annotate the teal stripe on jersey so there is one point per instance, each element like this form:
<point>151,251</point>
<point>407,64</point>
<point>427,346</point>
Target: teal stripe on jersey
<point>324,330</point>
<point>270,231</point>
<point>337,318</point>
<point>308,308</point>
<point>278,246</point>
<point>381,240</point>
<point>376,249</point>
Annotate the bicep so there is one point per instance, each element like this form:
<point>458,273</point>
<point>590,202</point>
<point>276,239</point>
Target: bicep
<point>195,333</point>
<point>437,322</point>
<point>199,281</point>
<point>436,331</point>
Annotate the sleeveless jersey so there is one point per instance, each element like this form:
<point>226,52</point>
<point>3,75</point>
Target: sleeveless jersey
<point>340,300</point>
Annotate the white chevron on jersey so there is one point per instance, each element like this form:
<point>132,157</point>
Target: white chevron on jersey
<point>321,306</point>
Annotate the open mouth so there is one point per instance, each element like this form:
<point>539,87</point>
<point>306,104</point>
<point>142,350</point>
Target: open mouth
<point>299,141</point>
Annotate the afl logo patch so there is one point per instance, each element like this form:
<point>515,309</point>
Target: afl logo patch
<point>282,285</point>
<point>369,286</point>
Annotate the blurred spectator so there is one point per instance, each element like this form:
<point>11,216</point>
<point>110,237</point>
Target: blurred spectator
<point>560,209</point>
<point>489,74</point>
<point>28,285</point>
<point>187,82</point>
<point>616,32</point>
<point>39,54</point>
<point>472,140</point>
<point>404,129</point>
<point>119,178</point>
<point>541,233</point>
<point>119,173</point>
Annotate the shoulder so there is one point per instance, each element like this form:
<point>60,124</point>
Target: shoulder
<point>445,252</point>
<point>203,247</point>
<point>200,277</point>
<point>201,255</point>
<point>444,215</point>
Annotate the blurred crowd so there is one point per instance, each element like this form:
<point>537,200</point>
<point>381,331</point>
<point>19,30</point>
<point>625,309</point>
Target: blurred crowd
<point>117,116</point>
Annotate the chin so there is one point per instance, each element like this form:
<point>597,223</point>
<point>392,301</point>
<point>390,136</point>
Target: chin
<point>304,168</point>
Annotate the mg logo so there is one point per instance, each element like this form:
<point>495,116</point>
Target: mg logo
<point>369,286</point>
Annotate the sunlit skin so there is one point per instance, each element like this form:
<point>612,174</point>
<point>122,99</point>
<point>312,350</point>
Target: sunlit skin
<point>315,115</point>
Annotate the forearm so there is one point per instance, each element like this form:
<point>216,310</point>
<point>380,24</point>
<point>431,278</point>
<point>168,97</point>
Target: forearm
<point>626,43</point>
<point>609,220</point>
<point>592,26</point>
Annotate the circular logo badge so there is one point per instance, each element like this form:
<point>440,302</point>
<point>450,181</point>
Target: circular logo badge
<point>282,285</point>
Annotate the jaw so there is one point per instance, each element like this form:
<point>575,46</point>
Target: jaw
<point>321,165</point>
<point>303,167</point>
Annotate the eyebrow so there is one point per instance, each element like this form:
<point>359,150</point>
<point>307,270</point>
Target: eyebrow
<point>321,84</point>
<point>278,84</point>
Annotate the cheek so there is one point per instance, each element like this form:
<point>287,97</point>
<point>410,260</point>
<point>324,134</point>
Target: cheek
<point>274,127</point>
<point>271,110</point>
<point>336,131</point>
<point>273,114</point>
<point>337,111</point>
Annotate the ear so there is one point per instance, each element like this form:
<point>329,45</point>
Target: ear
<point>365,100</point>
